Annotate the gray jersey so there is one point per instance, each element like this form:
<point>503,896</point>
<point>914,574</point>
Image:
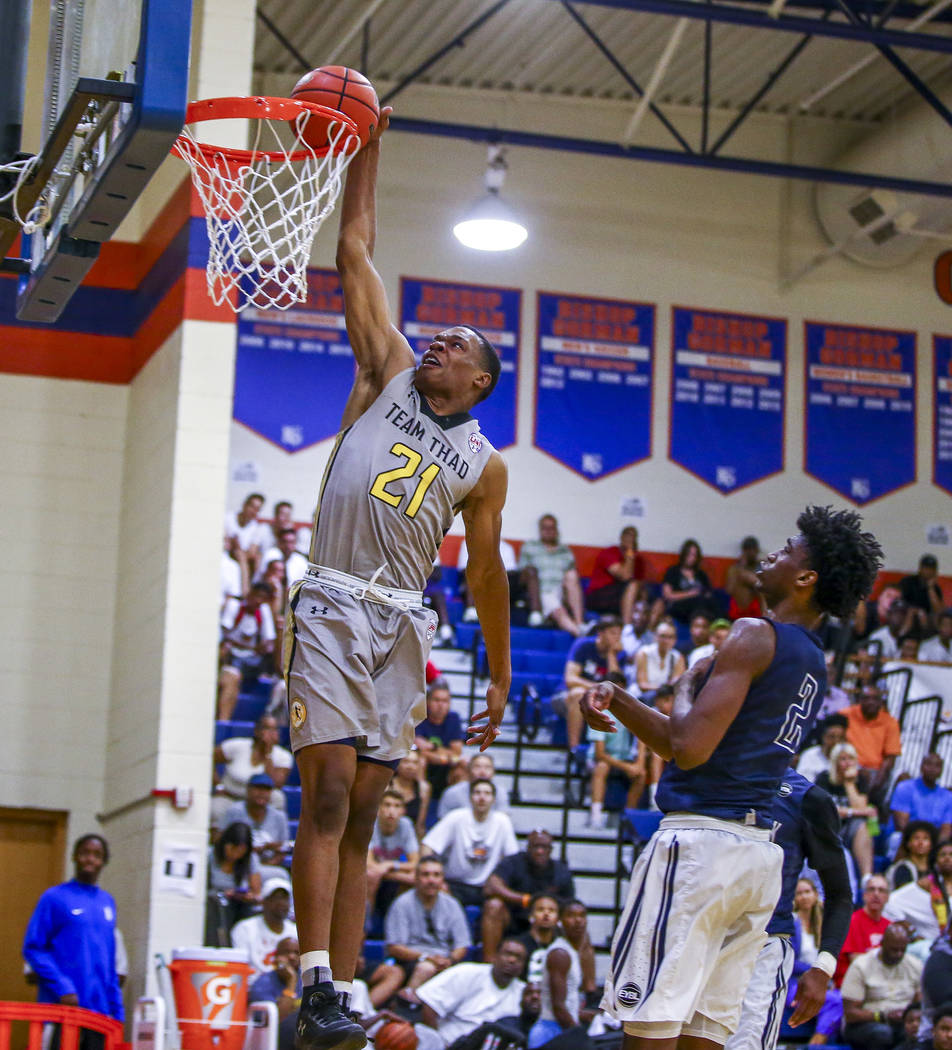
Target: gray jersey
<point>393,485</point>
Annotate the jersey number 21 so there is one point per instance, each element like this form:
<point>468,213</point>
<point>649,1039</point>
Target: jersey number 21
<point>798,714</point>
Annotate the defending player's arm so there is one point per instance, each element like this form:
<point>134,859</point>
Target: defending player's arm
<point>696,726</point>
<point>824,851</point>
<point>489,587</point>
<point>557,966</point>
<point>380,350</point>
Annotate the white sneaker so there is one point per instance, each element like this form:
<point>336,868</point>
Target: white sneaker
<point>470,615</point>
<point>535,618</point>
<point>446,635</point>
<point>598,823</point>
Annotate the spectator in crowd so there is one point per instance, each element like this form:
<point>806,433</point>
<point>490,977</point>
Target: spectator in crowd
<point>281,984</point>
<point>924,595</point>
<point>439,738</point>
<point>871,614</point>
<point>507,1030</point>
<point>876,990</point>
<point>589,660</point>
<point>461,998</point>
<point>908,649</point>
<point>70,940</point>
<point>922,905</point>
<point>242,757</point>
<point>434,595</point>
<point>275,574</point>
<point>393,853</point>
<point>699,634</point>
<point>937,994</point>
<point>719,630</point>
<point>835,699</point>
<point>513,883</point>
<point>918,841</point>
<point>231,585</point>
<point>863,667</point>
<point>617,754</point>
<point>889,637</point>
<point>616,580</point>
<point>543,928</point>
<point>510,562</point>
<point>285,551</point>
<point>562,993</point>
<point>269,825</point>
<point>654,763</point>
<point>942,1029</point>
<point>242,537</point>
<point>479,767</point>
<point>425,930</point>
<point>911,1017</point>
<point>938,649</point>
<point>685,587</point>
<point>551,579</point>
<point>636,632</point>
<point>657,664</point>
<point>260,935</point>
<point>808,917</point>
<point>923,798</point>
<point>867,925</point>
<point>409,781</point>
<point>874,733</point>
<point>247,644</point>
<point>815,760</point>
<point>472,842</point>
<point>742,581</point>
<point>849,786</point>
<point>234,882</point>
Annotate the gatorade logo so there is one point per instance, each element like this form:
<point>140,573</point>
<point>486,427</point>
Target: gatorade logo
<point>217,996</point>
<point>218,991</point>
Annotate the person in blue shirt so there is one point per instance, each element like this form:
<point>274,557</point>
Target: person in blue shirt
<point>70,941</point>
<point>704,888</point>
<point>923,799</point>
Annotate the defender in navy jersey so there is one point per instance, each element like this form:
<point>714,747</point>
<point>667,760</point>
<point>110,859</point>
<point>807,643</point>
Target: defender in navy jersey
<point>409,457</point>
<point>703,890</point>
<point>809,830</point>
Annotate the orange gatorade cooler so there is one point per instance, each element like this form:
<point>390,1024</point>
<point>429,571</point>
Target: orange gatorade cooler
<point>211,997</point>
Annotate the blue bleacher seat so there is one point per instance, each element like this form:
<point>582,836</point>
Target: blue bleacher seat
<point>292,829</point>
<point>373,952</point>
<point>465,632</point>
<point>250,707</point>
<point>293,797</point>
<point>644,821</point>
<point>450,580</point>
<point>294,776</point>
<point>226,730</point>
<point>474,915</point>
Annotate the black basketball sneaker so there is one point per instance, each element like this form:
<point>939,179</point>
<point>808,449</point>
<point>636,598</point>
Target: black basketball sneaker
<point>323,1025</point>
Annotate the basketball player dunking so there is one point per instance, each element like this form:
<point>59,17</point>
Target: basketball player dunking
<point>408,458</point>
<point>702,891</point>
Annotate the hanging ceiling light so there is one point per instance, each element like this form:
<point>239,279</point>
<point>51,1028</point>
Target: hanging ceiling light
<point>491,225</point>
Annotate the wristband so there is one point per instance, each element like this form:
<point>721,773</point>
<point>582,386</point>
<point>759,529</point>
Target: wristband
<point>526,897</point>
<point>826,962</point>
<point>288,993</point>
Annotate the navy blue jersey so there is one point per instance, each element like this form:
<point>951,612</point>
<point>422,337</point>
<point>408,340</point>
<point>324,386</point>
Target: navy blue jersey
<point>744,771</point>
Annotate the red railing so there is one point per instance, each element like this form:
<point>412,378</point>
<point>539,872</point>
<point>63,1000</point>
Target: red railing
<point>70,1018</point>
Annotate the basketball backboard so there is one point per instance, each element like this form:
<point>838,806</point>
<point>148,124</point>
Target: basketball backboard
<point>116,88</point>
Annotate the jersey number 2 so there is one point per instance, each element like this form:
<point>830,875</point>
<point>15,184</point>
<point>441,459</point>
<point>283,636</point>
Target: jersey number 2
<point>798,714</point>
<point>411,461</point>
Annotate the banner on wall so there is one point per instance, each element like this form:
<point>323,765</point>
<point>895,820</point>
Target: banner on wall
<point>294,368</point>
<point>593,382</point>
<point>428,307</point>
<point>942,452</point>
<point>860,431</point>
<point>727,396</point>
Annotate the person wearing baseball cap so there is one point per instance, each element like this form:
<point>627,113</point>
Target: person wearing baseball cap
<point>269,825</point>
<point>259,936</point>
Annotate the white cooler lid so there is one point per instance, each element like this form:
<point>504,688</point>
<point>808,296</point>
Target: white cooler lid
<point>211,954</point>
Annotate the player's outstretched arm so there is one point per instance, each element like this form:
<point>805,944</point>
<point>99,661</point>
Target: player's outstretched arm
<point>489,586</point>
<point>379,348</point>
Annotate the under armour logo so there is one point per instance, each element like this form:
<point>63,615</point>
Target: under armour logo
<point>314,610</point>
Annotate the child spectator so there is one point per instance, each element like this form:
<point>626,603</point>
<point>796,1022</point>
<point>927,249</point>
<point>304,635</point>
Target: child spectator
<point>439,738</point>
<point>938,650</point>
<point>393,853</point>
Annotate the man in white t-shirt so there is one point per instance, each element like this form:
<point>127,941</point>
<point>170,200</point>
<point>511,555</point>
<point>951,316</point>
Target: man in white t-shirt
<point>242,536</point>
<point>456,796</point>
<point>247,644</point>
<point>461,998</point>
<point>938,649</point>
<point>285,549</point>
<point>259,935</point>
<point>912,905</point>
<point>472,842</point>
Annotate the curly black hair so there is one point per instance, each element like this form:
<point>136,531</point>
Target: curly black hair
<point>845,559</point>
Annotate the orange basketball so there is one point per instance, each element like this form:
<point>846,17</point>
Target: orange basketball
<point>396,1035</point>
<point>343,89</point>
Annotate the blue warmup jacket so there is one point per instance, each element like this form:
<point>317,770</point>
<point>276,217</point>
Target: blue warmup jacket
<point>70,944</point>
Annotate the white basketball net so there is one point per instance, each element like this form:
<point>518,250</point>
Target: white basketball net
<point>262,215</point>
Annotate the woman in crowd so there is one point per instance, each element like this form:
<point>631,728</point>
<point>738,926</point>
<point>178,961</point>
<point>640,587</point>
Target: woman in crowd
<point>243,757</point>
<point>685,587</point>
<point>409,781</point>
<point>912,857</point>
<point>849,786</point>
<point>808,917</point>
<point>234,882</point>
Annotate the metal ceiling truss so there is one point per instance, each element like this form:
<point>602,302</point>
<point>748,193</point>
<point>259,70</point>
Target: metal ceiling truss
<point>865,24</point>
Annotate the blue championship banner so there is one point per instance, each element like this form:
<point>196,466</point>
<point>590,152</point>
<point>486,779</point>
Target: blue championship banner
<point>942,453</point>
<point>727,396</point>
<point>860,428</point>
<point>593,397</point>
<point>428,307</point>
<point>294,368</point>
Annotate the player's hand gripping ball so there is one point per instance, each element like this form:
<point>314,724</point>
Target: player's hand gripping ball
<point>396,1035</point>
<point>342,89</point>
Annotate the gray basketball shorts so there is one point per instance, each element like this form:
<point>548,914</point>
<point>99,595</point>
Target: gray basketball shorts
<point>355,669</point>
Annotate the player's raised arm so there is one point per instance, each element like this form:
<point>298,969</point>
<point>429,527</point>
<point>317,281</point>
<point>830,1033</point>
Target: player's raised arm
<point>489,586</point>
<point>379,348</point>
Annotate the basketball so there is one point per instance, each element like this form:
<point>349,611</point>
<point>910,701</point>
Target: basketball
<point>343,89</point>
<point>396,1035</point>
